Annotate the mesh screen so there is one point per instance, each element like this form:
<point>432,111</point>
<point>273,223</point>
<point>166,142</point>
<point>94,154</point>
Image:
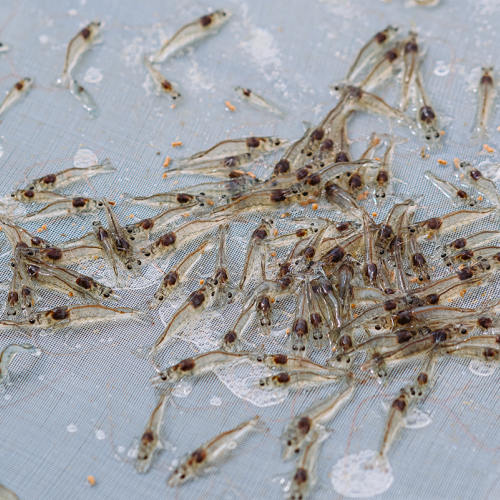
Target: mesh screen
<point>79,409</point>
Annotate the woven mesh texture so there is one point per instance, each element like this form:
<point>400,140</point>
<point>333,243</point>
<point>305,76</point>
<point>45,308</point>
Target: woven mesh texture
<point>79,409</point>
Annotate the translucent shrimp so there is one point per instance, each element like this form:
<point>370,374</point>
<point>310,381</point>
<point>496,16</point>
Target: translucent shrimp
<point>250,97</point>
<point>382,68</point>
<point>299,380</point>
<point>411,53</point>
<point>455,194</point>
<point>219,446</point>
<point>474,178</point>
<point>77,315</point>
<point>407,398</point>
<point>299,430</point>
<point>84,96</point>
<point>173,199</point>
<point>30,196</point>
<point>173,277</point>
<point>7,355</point>
<point>68,176</point>
<point>196,366</point>
<point>300,327</point>
<point>207,25</point>
<point>150,440</point>
<point>163,86</point>
<point>221,280</point>
<point>427,119</point>
<point>63,256</point>
<point>67,207</point>
<point>371,50</point>
<point>486,94</point>
<point>304,478</point>
<point>18,91</point>
<point>78,45</point>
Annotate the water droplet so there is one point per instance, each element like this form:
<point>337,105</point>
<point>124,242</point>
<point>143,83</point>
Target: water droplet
<point>182,389</point>
<point>72,12</point>
<point>216,401</point>
<point>175,462</point>
<point>352,479</point>
<point>93,75</point>
<point>44,39</point>
<point>121,449</point>
<point>72,428</point>
<point>441,69</point>
<point>7,397</point>
<point>100,434</point>
<point>132,452</point>
<point>232,445</point>
<point>482,369</point>
<point>41,377</point>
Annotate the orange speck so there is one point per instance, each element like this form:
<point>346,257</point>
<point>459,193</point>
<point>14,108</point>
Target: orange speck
<point>360,196</point>
<point>355,315</point>
<point>166,163</point>
<point>374,214</point>
<point>461,176</point>
<point>91,480</point>
<point>498,128</point>
<point>39,230</point>
<point>377,158</point>
<point>230,106</point>
<point>112,202</point>
<point>456,162</point>
<point>95,257</point>
<point>185,214</point>
<point>304,203</point>
<point>463,292</point>
<point>315,206</point>
<point>288,331</point>
<point>480,198</point>
<point>172,106</point>
<point>273,300</point>
<point>353,306</point>
<point>70,294</point>
<point>176,144</point>
<point>413,280</point>
<point>253,176</point>
<point>210,202</point>
<point>460,267</point>
<point>488,148</point>
<point>442,132</point>
<point>273,254</point>
<point>239,172</point>
<point>131,216</point>
<point>202,281</point>
<point>275,232</point>
<point>175,182</point>
<point>282,216</point>
<point>164,175</point>
<point>450,300</point>
<point>442,162</point>
<point>44,226</point>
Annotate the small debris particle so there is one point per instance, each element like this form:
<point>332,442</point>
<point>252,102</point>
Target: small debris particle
<point>166,163</point>
<point>288,331</point>
<point>63,235</point>
<point>113,203</point>
<point>461,176</point>
<point>273,300</point>
<point>172,106</point>
<point>442,132</point>
<point>185,214</point>
<point>456,162</point>
<point>488,148</point>
<point>442,162</point>
<point>230,106</point>
<point>202,281</point>
<point>355,315</point>
<point>360,196</point>
<point>253,176</point>
<point>131,216</point>
<point>422,152</point>
<point>304,203</point>
<point>158,153</point>
<point>176,144</point>
<point>210,202</point>
<point>374,214</point>
<point>239,172</point>
<point>70,294</point>
<point>175,182</point>
<point>164,175</point>
<point>39,230</point>
<point>283,216</point>
<point>91,480</point>
<point>498,128</point>
<point>413,280</point>
<point>44,227</point>
<point>273,254</point>
<point>315,206</point>
<point>275,232</point>
<point>463,292</point>
<point>95,257</point>
<point>353,306</point>
<point>460,267</point>
<point>480,198</point>
<point>377,158</point>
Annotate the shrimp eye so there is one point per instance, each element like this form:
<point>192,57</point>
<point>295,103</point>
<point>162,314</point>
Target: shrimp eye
<point>160,297</point>
<point>32,321</point>
<point>100,204</point>
<point>277,143</point>
<point>106,294</point>
<point>261,383</point>
<point>183,476</point>
<point>13,195</point>
<point>259,358</point>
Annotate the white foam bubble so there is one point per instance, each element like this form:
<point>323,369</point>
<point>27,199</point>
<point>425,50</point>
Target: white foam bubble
<point>416,419</point>
<point>72,428</point>
<point>84,158</point>
<point>216,401</point>
<point>100,434</point>
<point>351,479</point>
<point>182,389</point>
<point>482,369</point>
<point>93,75</point>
